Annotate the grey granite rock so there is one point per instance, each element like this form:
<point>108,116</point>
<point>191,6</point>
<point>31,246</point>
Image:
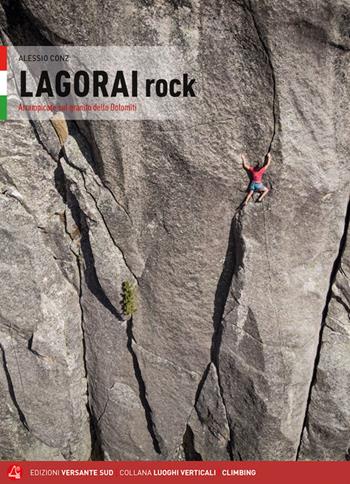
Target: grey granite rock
<point>208,431</point>
<point>114,382</point>
<point>44,412</point>
<point>155,203</point>
<point>327,431</point>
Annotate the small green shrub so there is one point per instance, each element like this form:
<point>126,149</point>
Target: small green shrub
<point>129,298</point>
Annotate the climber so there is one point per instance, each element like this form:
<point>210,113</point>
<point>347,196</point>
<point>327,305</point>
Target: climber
<point>256,173</point>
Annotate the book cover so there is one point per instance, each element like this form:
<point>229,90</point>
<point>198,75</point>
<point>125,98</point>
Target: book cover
<point>174,254</point>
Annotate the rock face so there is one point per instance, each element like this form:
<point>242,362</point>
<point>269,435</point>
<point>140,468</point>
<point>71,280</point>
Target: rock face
<point>326,433</point>
<point>42,378</point>
<point>208,432</point>
<point>239,347</point>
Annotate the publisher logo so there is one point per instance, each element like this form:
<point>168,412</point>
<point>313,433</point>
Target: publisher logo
<point>14,472</point>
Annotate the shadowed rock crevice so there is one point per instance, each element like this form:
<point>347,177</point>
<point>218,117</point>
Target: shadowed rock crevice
<point>90,273</point>
<point>232,263</point>
<point>108,230</point>
<point>19,28</point>
<point>103,218</point>
<point>12,394</point>
<point>96,451</point>
<point>336,267</point>
<point>201,384</point>
<point>96,441</point>
<point>92,281</point>
<point>26,29</point>
<point>157,441</point>
<point>272,71</point>
<point>188,446</point>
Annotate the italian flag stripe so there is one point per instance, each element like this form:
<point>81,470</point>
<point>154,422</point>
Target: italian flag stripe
<point>3,83</point>
<point>3,108</point>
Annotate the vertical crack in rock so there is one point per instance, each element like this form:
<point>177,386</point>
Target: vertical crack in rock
<point>142,389</point>
<point>108,229</point>
<point>96,448</point>
<point>233,262</point>
<point>335,269</point>
<point>66,158</point>
<point>95,287</point>
<point>71,203</point>
<point>201,384</point>
<point>207,434</point>
<point>92,281</point>
<point>12,390</point>
<point>268,56</point>
<point>91,277</point>
<point>61,187</point>
<point>97,163</point>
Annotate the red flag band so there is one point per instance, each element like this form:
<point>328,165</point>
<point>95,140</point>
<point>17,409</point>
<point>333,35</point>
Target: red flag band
<point>177,472</point>
<point>3,58</point>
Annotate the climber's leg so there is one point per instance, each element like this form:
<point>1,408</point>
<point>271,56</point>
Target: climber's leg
<point>247,198</point>
<point>263,193</point>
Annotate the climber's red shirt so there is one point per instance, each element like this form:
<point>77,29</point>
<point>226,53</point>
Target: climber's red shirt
<point>257,174</point>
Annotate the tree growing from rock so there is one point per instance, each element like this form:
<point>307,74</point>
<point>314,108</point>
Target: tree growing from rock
<point>129,299</point>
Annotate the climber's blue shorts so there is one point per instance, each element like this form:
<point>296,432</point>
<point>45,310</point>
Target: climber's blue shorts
<point>256,187</point>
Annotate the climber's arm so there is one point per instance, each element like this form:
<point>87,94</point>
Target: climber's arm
<point>268,161</point>
<point>245,162</point>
